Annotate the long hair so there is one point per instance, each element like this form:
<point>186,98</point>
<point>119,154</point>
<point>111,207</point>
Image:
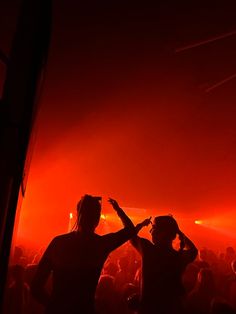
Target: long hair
<point>88,212</point>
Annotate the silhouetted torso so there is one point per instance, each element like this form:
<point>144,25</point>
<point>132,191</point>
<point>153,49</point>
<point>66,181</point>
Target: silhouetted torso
<point>161,286</point>
<point>76,260</point>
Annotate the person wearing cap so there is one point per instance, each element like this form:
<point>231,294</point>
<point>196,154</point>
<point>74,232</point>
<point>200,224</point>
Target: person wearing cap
<point>162,267</point>
<point>76,259</point>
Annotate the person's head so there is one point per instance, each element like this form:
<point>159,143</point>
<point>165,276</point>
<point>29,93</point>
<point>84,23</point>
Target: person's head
<point>230,251</point>
<point>233,266</point>
<point>88,213</point>
<point>111,268</point>
<point>206,280</point>
<point>203,255</point>
<point>220,306</point>
<point>164,229</point>
<point>222,256</point>
<point>105,288</point>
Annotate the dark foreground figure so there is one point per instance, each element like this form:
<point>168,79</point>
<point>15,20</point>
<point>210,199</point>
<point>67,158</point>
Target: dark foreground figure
<point>76,260</point>
<point>162,267</point>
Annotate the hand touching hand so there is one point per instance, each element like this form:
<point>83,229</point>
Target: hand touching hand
<point>142,224</point>
<point>146,222</point>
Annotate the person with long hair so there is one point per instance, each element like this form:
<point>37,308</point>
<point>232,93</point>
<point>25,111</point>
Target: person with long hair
<point>76,259</point>
<point>200,298</point>
<point>162,266</point>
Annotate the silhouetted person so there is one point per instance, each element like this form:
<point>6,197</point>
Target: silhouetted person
<point>17,294</point>
<point>106,297</point>
<point>76,260</point>
<point>231,286</point>
<point>200,298</point>
<point>203,261</point>
<point>123,276</point>
<point>110,268</point>
<point>162,267</point>
<point>220,306</point>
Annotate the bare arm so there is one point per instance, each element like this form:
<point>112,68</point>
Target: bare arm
<point>127,222</point>
<point>188,247</point>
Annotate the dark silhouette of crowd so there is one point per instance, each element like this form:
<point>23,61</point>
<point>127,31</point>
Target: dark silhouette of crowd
<point>120,272</point>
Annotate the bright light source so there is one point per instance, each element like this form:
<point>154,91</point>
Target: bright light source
<point>71,216</point>
<point>198,222</point>
<point>103,216</point>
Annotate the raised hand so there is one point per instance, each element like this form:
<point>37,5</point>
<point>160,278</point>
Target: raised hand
<point>146,222</point>
<point>181,235</point>
<point>142,224</point>
<point>124,218</point>
<point>114,203</point>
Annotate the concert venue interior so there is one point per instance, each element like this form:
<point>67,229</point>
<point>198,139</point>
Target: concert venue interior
<point>138,104</point>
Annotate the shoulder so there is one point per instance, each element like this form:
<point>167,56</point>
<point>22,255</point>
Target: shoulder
<point>142,244</point>
<point>64,237</point>
<point>58,243</point>
<point>60,239</point>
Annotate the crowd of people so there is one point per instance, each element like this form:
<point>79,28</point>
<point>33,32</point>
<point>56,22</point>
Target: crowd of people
<point>120,272</point>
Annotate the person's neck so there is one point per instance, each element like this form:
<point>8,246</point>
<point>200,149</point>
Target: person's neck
<point>165,244</point>
<point>85,232</point>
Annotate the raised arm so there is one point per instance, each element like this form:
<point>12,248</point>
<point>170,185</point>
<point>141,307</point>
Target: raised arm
<point>128,224</point>
<point>126,221</point>
<point>187,247</point>
<point>137,241</point>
